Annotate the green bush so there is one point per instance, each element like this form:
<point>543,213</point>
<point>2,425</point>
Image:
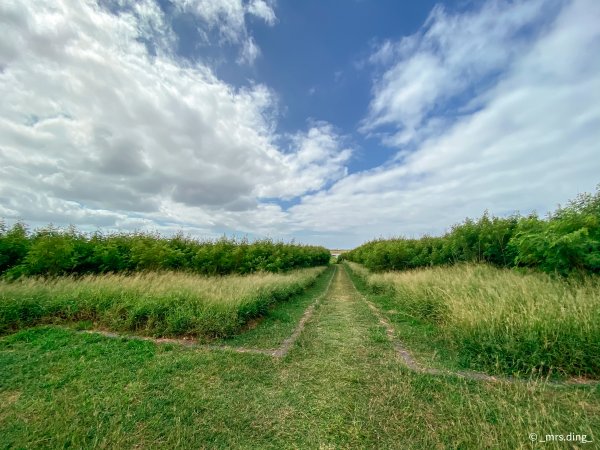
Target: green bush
<point>14,245</point>
<point>53,251</point>
<point>566,241</point>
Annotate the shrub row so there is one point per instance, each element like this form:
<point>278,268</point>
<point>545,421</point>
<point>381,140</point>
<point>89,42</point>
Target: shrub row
<point>55,251</point>
<point>567,240</point>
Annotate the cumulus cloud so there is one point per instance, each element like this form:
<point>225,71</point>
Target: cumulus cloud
<point>532,141</point>
<point>96,128</point>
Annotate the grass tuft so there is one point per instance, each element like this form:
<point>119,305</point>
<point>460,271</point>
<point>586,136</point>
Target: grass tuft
<point>159,304</point>
<point>501,320</point>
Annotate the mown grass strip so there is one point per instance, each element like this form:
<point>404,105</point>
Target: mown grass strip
<point>191,343</point>
<point>287,344</point>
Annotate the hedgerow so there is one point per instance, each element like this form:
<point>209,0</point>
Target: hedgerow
<point>567,240</point>
<point>55,251</point>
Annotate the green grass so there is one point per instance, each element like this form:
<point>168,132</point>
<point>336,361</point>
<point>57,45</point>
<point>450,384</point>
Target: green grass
<point>342,386</point>
<point>270,330</point>
<point>496,320</point>
<point>159,304</point>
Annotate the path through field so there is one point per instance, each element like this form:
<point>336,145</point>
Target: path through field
<point>343,384</point>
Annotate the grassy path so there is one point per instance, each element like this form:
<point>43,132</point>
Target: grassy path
<point>342,385</point>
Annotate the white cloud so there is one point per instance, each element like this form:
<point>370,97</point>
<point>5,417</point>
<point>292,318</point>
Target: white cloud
<point>318,159</point>
<point>449,57</point>
<point>263,10</point>
<point>533,141</point>
<point>151,23</point>
<point>94,129</point>
<point>249,52</point>
<point>228,18</point>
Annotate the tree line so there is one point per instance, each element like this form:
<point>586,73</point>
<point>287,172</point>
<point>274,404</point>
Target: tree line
<point>567,240</point>
<point>55,251</point>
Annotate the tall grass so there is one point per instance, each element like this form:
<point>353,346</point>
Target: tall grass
<point>502,320</point>
<point>161,304</point>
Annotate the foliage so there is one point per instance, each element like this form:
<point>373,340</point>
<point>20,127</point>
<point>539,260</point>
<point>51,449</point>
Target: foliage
<point>568,240</point>
<point>14,245</point>
<point>54,251</point>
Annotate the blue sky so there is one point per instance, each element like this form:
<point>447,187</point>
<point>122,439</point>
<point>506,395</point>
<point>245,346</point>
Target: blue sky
<point>327,122</point>
<point>315,59</point>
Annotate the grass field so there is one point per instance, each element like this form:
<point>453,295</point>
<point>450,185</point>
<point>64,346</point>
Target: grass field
<point>497,320</point>
<point>158,304</point>
<point>341,386</point>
